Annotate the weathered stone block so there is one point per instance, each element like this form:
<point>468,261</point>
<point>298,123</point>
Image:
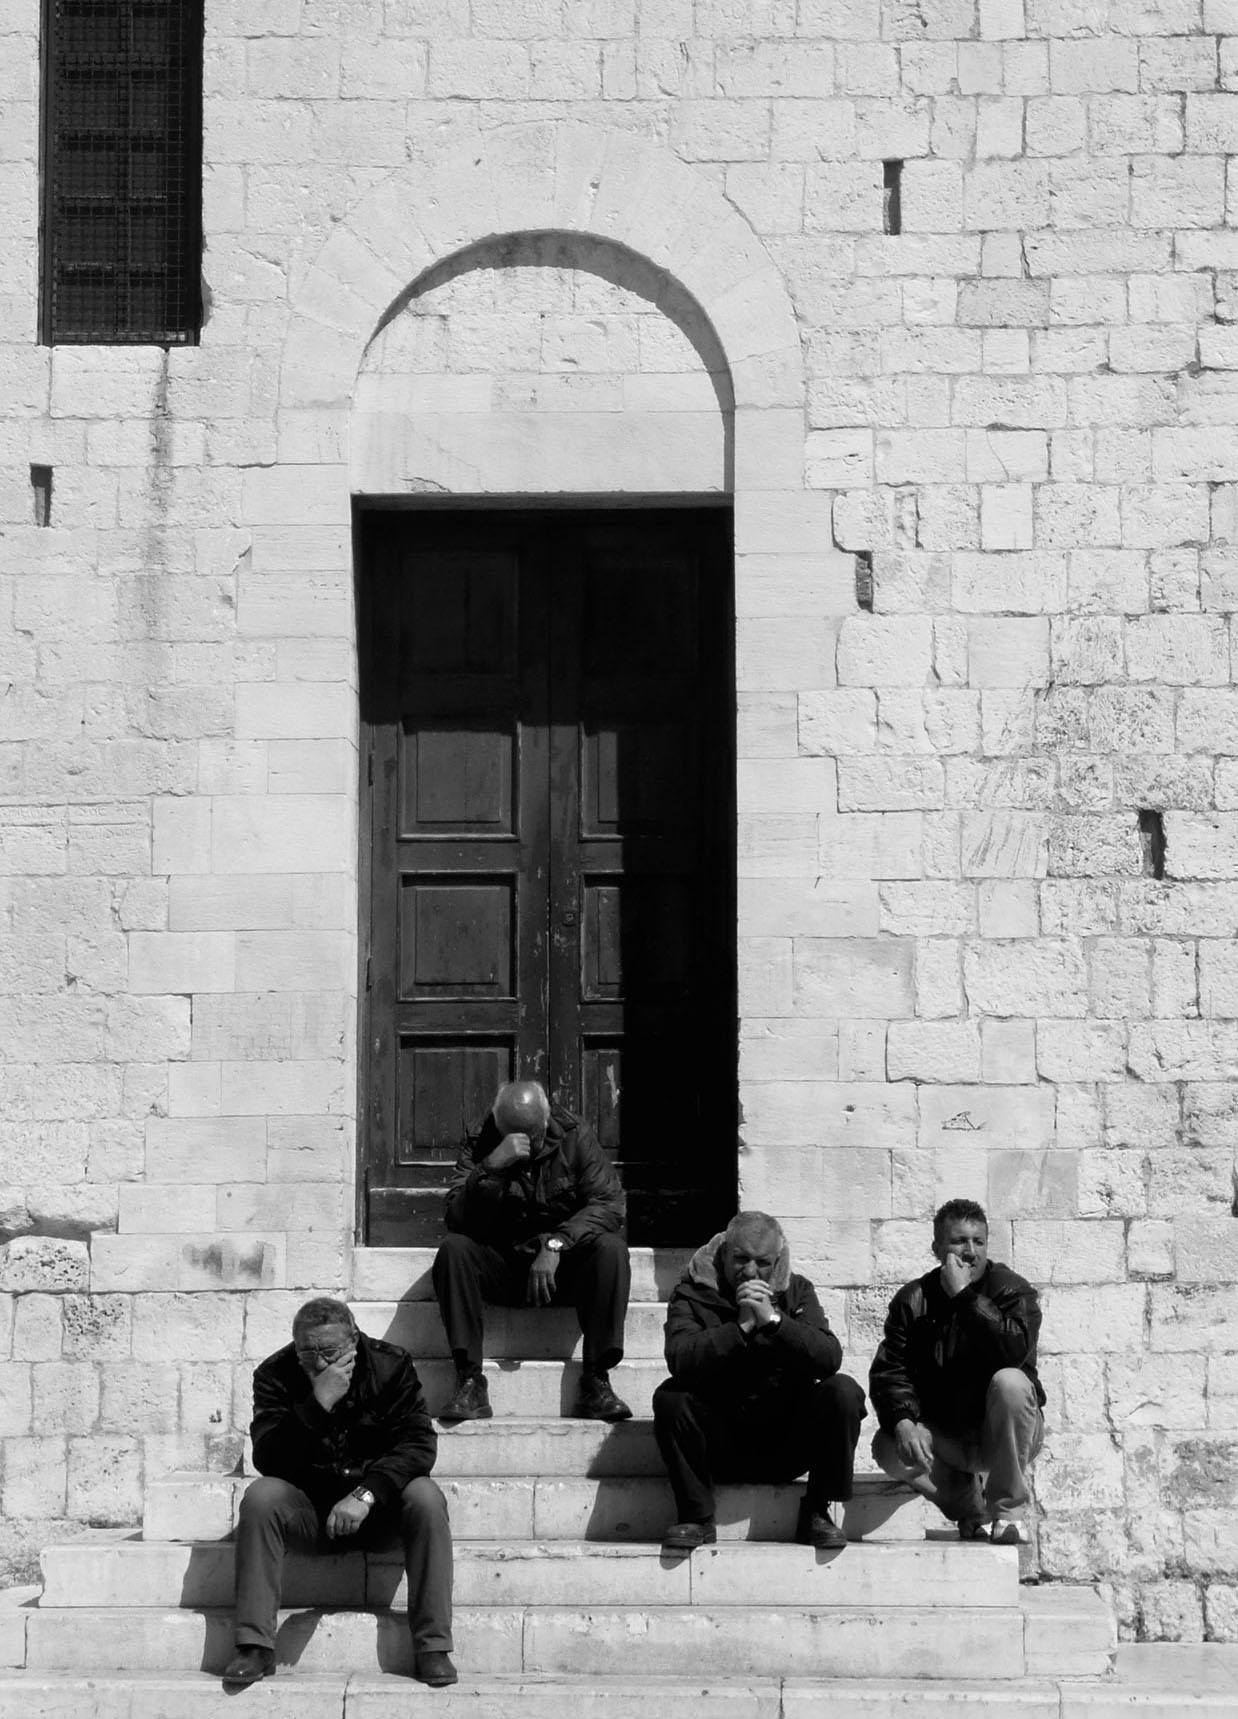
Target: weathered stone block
<point>43,1263</point>
<point>849,977</point>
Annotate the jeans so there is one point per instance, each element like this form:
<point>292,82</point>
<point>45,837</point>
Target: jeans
<point>275,1514</point>
<point>1002,1449</point>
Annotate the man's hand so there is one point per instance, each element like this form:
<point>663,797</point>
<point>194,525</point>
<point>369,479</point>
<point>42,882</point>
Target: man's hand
<point>346,1517</point>
<point>955,1274</point>
<point>756,1304</point>
<point>511,1149</point>
<point>541,1288</point>
<point>331,1385</point>
<point>914,1445</point>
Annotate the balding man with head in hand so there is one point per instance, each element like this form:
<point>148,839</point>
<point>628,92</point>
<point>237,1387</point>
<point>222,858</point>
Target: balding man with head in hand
<point>535,1216</point>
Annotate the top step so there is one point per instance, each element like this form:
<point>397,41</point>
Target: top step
<point>403,1273</point>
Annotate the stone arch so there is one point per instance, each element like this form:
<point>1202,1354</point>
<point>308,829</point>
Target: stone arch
<point>551,178</point>
<point>543,364</point>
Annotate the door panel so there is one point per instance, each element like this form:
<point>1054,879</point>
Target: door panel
<point>549,707</point>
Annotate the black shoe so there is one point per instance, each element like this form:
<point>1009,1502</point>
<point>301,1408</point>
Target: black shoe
<point>972,1528</point>
<point>595,1401</point>
<point>250,1665</point>
<point>818,1528</point>
<point>687,1536</point>
<point>435,1669</point>
<point>470,1401</point>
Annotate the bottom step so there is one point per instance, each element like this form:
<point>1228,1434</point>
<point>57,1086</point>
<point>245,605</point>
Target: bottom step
<point>296,1695</point>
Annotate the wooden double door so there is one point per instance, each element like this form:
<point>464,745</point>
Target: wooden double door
<point>548,705</point>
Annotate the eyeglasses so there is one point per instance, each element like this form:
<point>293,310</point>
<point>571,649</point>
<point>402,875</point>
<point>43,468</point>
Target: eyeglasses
<point>327,1356</point>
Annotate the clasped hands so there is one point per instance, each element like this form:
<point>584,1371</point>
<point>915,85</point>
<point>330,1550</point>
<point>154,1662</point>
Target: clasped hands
<point>755,1300</point>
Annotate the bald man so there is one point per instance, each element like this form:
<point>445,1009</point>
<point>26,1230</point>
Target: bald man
<point>535,1215</point>
<point>755,1392</point>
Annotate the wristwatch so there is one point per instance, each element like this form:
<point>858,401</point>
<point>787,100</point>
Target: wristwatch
<point>363,1495</point>
<point>554,1244</point>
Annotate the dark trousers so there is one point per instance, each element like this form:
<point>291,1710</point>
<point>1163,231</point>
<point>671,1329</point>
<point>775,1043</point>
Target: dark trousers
<point>702,1441</point>
<point>595,1276</point>
<point>275,1515</point>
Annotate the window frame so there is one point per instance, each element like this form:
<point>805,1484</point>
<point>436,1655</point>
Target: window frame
<point>178,273</point>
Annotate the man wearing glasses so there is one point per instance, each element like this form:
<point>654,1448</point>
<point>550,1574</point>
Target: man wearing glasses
<point>345,1446</point>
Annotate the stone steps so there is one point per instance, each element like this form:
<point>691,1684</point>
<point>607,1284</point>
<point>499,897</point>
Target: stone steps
<point>403,1273</point>
<point>512,1333</point>
<point>715,1641</point>
<point>303,1695</point>
<point>136,1573</point>
<point>533,1506</point>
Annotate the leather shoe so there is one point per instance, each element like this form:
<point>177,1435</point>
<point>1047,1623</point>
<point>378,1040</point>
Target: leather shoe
<point>595,1401</point>
<point>435,1669</point>
<point>250,1665</point>
<point>1008,1531</point>
<point>818,1528</point>
<point>470,1401</point>
<point>687,1536</point>
<point>972,1528</point>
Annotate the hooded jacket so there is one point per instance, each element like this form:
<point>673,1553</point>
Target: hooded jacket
<point>939,1351</point>
<point>707,1351</point>
<point>379,1435</point>
<point>567,1188</point>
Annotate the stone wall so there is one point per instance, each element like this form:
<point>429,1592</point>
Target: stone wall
<point>960,972</point>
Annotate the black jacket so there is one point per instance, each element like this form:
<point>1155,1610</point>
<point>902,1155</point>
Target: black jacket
<point>568,1189</point>
<point>707,1352</point>
<point>379,1436</point>
<point>939,1352</point>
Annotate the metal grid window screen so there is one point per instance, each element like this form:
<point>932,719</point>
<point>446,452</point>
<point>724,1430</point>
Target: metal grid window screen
<point>122,216</point>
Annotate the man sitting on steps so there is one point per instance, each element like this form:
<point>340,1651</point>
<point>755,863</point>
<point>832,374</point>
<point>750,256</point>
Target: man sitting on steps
<point>755,1392</point>
<point>345,1446</point>
<point>535,1215</point>
<point>954,1382</point>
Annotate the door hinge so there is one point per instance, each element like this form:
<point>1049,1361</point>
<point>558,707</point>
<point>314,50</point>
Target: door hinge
<point>368,969</point>
<point>369,770</point>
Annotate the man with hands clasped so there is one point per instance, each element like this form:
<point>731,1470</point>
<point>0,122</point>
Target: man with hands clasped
<point>535,1215</point>
<point>755,1392</point>
<point>345,1446</point>
<point>954,1382</point>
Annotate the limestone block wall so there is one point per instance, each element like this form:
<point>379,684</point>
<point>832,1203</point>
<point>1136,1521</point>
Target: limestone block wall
<point>985,479</point>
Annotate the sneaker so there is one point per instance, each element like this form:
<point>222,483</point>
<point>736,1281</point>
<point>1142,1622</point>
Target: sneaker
<point>687,1536</point>
<point>250,1665</point>
<point>470,1401</point>
<point>595,1401</point>
<point>1005,1531</point>
<point>435,1669</point>
<point>818,1528</point>
<point>972,1528</point>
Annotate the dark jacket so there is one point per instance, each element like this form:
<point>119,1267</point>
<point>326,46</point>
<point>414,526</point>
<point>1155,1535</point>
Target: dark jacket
<point>939,1352</point>
<point>707,1352</point>
<point>379,1436</point>
<point>568,1188</point>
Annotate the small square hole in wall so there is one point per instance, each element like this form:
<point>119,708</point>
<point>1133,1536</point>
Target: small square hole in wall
<point>892,196</point>
<point>41,488</point>
<point>864,581</point>
<point>1152,839</point>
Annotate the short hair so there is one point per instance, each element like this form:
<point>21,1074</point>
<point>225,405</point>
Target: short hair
<point>323,1310</point>
<point>958,1211</point>
<point>752,1229</point>
<point>521,1104</point>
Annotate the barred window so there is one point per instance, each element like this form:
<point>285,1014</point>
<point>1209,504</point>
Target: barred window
<point>122,171</point>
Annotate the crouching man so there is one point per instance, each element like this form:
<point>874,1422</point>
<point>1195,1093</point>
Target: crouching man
<point>954,1383</point>
<point>755,1392</point>
<point>345,1447</point>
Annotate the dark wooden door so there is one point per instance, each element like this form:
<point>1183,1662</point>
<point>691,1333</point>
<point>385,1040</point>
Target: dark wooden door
<point>548,705</point>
